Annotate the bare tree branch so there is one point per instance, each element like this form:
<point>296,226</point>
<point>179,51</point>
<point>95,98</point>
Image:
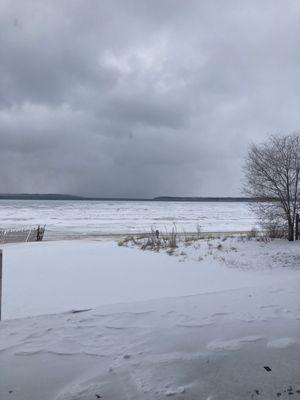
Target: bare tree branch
<point>272,172</point>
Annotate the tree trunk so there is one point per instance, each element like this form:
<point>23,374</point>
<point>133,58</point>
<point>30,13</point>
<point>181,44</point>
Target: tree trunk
<point>291,231</point>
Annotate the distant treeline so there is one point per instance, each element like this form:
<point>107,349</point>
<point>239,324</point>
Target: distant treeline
<point>209,199</point>
<point>33,196</point>
<point>51,196</point>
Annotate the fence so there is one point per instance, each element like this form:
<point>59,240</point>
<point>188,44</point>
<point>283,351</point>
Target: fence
<point>24,235</point>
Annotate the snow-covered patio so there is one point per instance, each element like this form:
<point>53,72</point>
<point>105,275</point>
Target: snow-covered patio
<point>201,324</point>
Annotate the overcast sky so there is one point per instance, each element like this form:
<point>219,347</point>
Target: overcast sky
<point>142,97</point>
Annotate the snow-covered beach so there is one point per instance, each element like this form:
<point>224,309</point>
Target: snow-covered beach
<point>219,319</point>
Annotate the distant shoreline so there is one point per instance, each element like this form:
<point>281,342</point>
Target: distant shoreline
<point>66,197</point>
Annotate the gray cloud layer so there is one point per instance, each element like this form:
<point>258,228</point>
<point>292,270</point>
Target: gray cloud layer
<point>142,98</point>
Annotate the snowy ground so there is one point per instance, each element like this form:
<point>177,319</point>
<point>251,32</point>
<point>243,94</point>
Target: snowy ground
<point>51,277</point>
<point>220,312</point>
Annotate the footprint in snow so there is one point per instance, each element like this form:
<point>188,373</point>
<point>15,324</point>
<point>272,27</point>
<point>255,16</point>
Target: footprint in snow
<point>234,344</point>
<point>174,392</point>
<point>268,306</point>
<point>282,343</point>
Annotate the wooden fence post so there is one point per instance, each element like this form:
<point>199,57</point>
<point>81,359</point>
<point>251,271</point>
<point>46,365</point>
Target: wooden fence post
<point>0,282</point>
<point>297,226</point>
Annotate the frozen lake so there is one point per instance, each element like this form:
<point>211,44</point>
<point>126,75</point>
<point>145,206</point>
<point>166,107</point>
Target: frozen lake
<point>113,217</point>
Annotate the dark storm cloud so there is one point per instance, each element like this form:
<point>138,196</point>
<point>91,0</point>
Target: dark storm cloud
<point>141,98</point>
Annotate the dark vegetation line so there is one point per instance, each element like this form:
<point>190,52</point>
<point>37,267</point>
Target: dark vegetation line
<point>51,196</point>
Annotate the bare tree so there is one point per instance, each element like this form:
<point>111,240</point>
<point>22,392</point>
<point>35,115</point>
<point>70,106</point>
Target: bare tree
<point>272,175</point>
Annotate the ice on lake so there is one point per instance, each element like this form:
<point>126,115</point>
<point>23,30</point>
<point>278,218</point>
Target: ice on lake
<point>112,217</point>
